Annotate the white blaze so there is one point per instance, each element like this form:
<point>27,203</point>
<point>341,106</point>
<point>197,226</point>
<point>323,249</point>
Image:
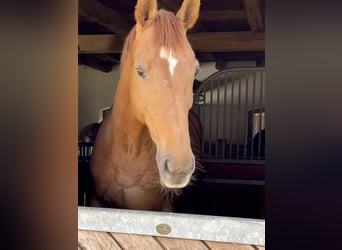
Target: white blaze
<point>171,60</point>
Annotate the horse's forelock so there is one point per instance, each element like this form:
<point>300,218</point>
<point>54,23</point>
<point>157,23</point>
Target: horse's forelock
<point>168,33</point>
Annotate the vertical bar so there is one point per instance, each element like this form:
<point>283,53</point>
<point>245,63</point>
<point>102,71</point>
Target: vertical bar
<point>253,108</point>
<point>224,132</point>
<point>210,116</point>
<point>204,126</point>
<point>238,118</point>
<point>261,110</point>
<point>246,116</point>
<point>217,117</point>
<point>231,118</point>
<point>83,151</point>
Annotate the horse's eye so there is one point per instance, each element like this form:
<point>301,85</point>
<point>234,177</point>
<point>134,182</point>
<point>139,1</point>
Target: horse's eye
<point>197,70</point>
<point>140,72</point>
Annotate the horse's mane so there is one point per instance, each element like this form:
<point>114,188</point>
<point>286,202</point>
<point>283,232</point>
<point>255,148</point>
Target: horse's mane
<point>167,32</point>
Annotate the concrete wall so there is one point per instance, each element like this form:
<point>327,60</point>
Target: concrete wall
<point>95,91</point>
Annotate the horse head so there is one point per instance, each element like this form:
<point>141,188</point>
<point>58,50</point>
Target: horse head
<point>163,68</point>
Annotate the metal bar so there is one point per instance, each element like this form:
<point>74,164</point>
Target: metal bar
<point>186,226</point>
<point>232,161</point>
<point>234,181</point>
<point>261,111</point>
<point>217,117</point>
<point>253,108</point>
<point>210,116</point>
<point>238,118</point>
<point>245,128</point>
<point>231,117</point>
<point>224,130</point>
<point>204,126</point>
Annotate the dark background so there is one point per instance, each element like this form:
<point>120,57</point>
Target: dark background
<point>304,103</point>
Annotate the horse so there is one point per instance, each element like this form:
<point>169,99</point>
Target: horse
<point>89,132</point>
<point>142,157</point>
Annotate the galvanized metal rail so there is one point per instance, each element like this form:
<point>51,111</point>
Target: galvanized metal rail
<point>174,225</point>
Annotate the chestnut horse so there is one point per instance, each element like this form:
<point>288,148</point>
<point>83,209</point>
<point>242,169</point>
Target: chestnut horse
<point>142,155</point>
<point>89,132</point>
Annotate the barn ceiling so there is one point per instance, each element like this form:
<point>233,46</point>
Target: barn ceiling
<point>227,30</point>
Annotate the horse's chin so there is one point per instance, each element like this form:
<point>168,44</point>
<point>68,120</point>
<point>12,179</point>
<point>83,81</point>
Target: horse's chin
<point>174,184</point>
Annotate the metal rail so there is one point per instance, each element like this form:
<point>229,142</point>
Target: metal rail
<point>174,225</point>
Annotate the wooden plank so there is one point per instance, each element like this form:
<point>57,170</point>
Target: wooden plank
<point>200,42</point>
<point>228,246</point>
<point>181,244</point>
<point>131,241</point>
<point>94,63</point>
<point>222,15</point>
<point>211,15</point>
<point>169,5</point>
<point>106,58</point>
<point>255,15</point>
<point>99,44</point>
<point>205,57</point>
<point>99,13</point>
<point>227,41</point>
<point>89,240</point>
<point>259,247</point>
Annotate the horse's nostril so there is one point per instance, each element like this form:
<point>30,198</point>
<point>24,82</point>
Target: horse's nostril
<point>167,166</point>
<point>170,167</point>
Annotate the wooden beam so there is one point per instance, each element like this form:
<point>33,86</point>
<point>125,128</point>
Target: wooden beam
<point>211,15</point>
<point>200,42</point>
<point>244,56</point>
<point>227,41</point>
<point>99,44</point>
<point>169,5</point>
<point>94,63</point>
<point>222,15</point>
<point>106,58</point>
<point>99,13</point>
<point>255,15</point>
<point>205,57</point>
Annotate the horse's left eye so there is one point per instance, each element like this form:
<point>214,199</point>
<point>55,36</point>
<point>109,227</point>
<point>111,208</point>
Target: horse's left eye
<point>140,72</point>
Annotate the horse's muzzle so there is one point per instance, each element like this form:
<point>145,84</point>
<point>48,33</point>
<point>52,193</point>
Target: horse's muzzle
<point>172,173</point>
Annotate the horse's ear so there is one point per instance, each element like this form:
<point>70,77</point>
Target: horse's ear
<point>145,12</point>
<point>188,13</point>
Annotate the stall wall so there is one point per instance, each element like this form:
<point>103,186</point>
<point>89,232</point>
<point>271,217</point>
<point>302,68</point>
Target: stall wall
<point>95,91</point>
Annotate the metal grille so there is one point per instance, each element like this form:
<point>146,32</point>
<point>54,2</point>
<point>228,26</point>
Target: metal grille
<point>231,107</point>
<point>84,150</point>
